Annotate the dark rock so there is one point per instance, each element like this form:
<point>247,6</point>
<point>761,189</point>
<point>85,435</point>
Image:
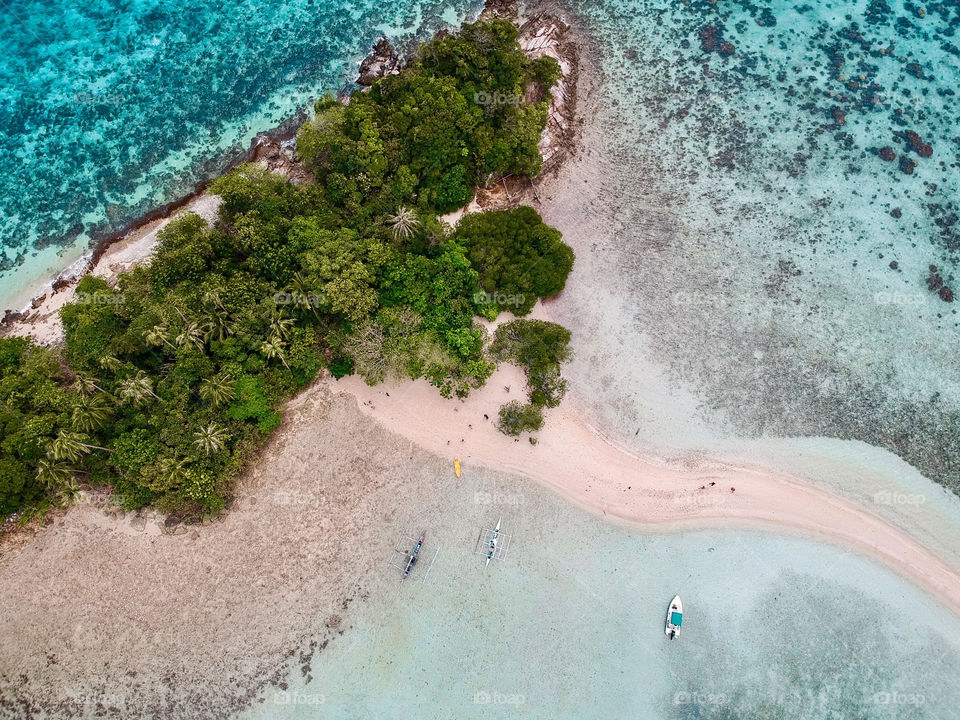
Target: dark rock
<point>11,316</point>
<point>894,264</point>
<point>709,37</point>
<point>946,294</point>
<point>897,213</point>
<point>887,153</point>
<point>631,54</point>
<point>381,61</point>
<point>918,145</point>
<point>727,49</point>
<point>915,70</point>
<point>907,165</point>
<point>767,18</point>
<point>839,116</point>
<point>934,280</point>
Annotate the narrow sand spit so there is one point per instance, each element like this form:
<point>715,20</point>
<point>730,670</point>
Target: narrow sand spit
<point>577,461</point>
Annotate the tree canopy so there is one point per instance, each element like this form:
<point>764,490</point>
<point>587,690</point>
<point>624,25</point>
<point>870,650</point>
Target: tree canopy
<point>171,380</point>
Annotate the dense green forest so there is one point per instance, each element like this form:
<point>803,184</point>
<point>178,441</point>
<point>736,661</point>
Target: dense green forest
<point>169,381</point>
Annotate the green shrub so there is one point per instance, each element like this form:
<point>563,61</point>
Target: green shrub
<point>516,418</point>
<point>539,347</point>
<point>18,486</point>
<point>518,258</point>
<point>90,322</point>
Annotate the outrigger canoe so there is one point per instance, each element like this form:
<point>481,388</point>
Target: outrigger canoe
<point>674,618</point>
<point>492,546</point>
<point>456,466</point>
<point>414,554</point>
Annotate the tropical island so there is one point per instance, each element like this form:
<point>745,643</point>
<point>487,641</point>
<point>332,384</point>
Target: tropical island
<point>171,380</point>
<point>243,426</point>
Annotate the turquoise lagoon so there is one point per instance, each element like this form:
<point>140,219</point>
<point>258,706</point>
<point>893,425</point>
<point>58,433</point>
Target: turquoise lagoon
<point>570,625</point>
<point>766,273</point>
<point>108,110</point>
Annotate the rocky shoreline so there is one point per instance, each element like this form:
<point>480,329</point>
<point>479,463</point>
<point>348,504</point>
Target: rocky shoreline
<point>273,147</point>
<point>542,32</point>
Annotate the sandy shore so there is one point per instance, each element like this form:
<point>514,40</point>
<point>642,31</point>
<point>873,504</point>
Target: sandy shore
<point>105,614</point>
<point>578,461</point>
<point>43,323</point>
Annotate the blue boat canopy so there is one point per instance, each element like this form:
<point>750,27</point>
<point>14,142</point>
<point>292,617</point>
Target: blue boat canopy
<point>676,619</point>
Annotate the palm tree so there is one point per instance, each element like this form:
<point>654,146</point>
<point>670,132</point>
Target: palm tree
<point>110,362</point>
<point>303,294</point>
<point>136,388</point>
<point>70,446</point>
<point>218,325</point>
<point>157,336</point>
<point>89,412</point>
<point>217,390</point>
<point>211,299</point>
<point>190,335</point>
<point>274,348</point>
<point>67,491</point>
<point>172,470</point>
<point>53,473</point>
<point>86,385</point>
<point>404,222</point>
<point>210,439</point>
<point>280,326</point>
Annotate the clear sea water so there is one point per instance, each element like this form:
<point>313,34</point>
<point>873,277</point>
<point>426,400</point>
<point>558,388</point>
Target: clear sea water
<point>757,282</point>
<point>570,625</point>
<point>110,109</point>
<point>746,239</point>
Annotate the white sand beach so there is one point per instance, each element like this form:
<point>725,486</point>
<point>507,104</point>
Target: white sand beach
<point>577,461</point>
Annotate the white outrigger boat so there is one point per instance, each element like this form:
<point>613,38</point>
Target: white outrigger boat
<point>674,618</point>
<point>493,543</point>
<point>492,547</point>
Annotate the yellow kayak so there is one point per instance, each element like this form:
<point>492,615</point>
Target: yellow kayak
<point>456,466</point>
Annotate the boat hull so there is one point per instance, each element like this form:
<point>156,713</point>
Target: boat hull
<point>674,618</point>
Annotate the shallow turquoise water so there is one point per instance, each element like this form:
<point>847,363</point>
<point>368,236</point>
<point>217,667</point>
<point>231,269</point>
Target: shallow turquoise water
<point>747,240</point>
<point>570,625</point>
<point>109,109</point>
